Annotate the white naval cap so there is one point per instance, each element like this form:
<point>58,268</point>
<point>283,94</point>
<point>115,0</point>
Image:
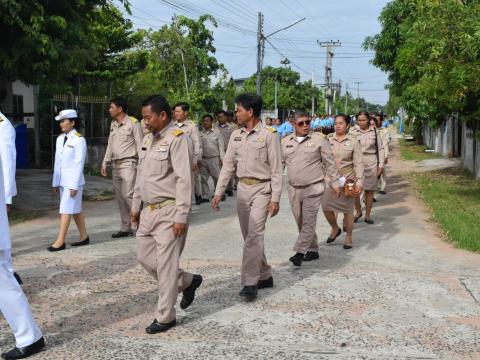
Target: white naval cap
<point>66,114</point>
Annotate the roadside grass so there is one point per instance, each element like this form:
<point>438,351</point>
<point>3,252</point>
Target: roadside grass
<point>413,152</point>
<point>454,197</point>
<point>104,195</point>
<point>17,216</point>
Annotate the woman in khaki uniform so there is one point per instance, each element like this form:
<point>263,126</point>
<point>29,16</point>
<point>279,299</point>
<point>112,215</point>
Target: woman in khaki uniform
<point>373,162</point>
<point>348,155</point>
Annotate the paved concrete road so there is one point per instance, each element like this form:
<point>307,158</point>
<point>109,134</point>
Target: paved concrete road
<point>401,293</point>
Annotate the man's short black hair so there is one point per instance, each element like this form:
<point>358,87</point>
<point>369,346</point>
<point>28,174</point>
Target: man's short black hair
<point>299,114</point>
<point>250,101</point>
<point>207,116</point>
<point>120,102</point>
<point>218,112</point>
<point>229,114</point>
<point>158,104</point>
<point>183,105</point>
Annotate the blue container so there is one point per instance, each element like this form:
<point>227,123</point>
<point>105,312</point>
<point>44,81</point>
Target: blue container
<point>21,144</point>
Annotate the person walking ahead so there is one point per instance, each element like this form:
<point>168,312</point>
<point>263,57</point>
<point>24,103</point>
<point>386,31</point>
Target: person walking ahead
<point>124,144</point>
<point>307,155</point>
<point>254,151</point>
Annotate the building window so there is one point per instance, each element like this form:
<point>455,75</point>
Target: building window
<point>17,108</point>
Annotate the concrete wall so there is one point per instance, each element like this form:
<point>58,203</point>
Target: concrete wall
<point>455,139</point>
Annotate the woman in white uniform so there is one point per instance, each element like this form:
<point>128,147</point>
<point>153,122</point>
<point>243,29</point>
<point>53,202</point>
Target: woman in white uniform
<point>13,303</point>
<point>68,179</point>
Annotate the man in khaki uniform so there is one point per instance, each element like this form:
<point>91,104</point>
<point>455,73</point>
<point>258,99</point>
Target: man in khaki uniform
<point>383,132</point>
<point>226,130</point>
<point>212,155</point>
<point>231,120</point>
<point>308,157</point>
<point>255,153</point>
<point>180,114</point>
<point>124,143</point>
<point>164,187</point>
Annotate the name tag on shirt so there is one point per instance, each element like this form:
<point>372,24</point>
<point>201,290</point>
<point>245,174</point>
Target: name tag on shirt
<point>289,146</point>
<point>237,139</point>
<point>161,149</point>
<point>70,146</point>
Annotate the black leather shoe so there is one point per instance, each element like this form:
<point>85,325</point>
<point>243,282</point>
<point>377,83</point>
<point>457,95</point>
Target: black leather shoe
<point>347,247</point>
<point>23,352</point>
<point>382,192</point>
<point>189,292</point>
<point>369,221</point>
<point>297,259</point>
<point>229,192</point>
<point>122,234</point>
<point>205,200</point>
<point>81,243</point>
<point>18,278</point>
<point>311,255</point>
<point>198,199</point>
<point>330,240</point>
<point>355,219</point>
<point>52,248</point>
<point>249,292</point>
<point>374,200</point>
<point>264,284</point>
<point>223,198</point>
<point>156,327</point>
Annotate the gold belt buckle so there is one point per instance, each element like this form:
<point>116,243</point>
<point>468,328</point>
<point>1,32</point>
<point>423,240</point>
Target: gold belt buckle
<point>152,206</point>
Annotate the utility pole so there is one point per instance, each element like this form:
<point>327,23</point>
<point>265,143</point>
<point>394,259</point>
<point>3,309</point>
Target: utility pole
<point>276,94</point>
<point>261,47</point>
<point>260,52</point>
<point>329,45</point>
<point>346,98</point>
<point>183,58</point>
<point>358,95</point>
<point>313,95</point>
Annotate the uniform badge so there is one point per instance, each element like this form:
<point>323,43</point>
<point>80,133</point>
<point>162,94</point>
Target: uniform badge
<point>238,138</point>
<point>289,146</point>
<point>260,139</point>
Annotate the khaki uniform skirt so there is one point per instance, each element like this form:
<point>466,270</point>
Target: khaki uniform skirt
<point>370,172</point>
<point>343,204</point>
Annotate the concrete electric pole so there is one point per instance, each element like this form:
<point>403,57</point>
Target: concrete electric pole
<point>329,45</point>
<point>358,95</point>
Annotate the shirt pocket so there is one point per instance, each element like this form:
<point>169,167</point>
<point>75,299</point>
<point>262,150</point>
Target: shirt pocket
<point>257,150</point>
<point>159,163</point>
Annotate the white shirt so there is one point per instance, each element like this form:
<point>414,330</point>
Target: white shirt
<point>5,243</point>
<point>8,153</point>
<point>69,161</point>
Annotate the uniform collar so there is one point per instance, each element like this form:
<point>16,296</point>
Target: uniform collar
<point>306,137</point>
<point>162,132</point>
<point>208,131</point>
<point>256,129</point>
<point>180,124</point>
<point>337,139</point>
<point>70,133</point>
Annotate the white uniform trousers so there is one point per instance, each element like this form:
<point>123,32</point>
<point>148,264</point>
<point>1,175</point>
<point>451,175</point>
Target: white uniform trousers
<point>70,205</point>
<point>14,306</point>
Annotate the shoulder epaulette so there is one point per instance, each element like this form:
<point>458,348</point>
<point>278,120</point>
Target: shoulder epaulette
<point>320,134</point>
<point>78,134</point>
<point>329,136</point>
<point>133,119</point>
<point>177,132</point>
<point>271,129</point>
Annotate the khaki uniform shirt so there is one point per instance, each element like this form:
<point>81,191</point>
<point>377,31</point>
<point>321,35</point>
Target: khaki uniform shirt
<point>309,161</point>
<point>189,128</point>
<point>384,134</point>
<point>369,145</point>
<point>212,144</point>
<point>226,131</point>
<point>348,156</point>
<point>164,172</point>
<point>124,141</point>
<point>255,154</point>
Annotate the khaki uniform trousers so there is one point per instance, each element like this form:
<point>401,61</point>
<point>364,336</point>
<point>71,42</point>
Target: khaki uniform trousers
<point>158,251</point>
<point>210,167</point>
<point>123,175</point>
<point>252,208</point>
<point>305,204</point>
<point>382,181</point>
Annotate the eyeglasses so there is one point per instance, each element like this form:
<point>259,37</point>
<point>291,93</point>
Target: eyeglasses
<point>304,123</point>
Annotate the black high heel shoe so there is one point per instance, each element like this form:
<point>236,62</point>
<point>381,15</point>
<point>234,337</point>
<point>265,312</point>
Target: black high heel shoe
<point>347,247</point>
<point>330,240</point>
<point>355,219</point>
<point>81,243</point>
<point>52,248</point>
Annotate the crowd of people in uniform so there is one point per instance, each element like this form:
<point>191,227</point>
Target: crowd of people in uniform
<point>162,165</point>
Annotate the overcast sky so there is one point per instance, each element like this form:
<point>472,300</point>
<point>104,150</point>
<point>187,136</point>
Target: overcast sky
<point>348,21</point>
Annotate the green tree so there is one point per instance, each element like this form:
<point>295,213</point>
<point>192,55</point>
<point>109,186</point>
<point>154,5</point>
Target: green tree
<point>48,39</point>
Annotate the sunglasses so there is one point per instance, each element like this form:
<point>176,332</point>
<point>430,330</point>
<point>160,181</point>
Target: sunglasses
<point>304,123</point>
